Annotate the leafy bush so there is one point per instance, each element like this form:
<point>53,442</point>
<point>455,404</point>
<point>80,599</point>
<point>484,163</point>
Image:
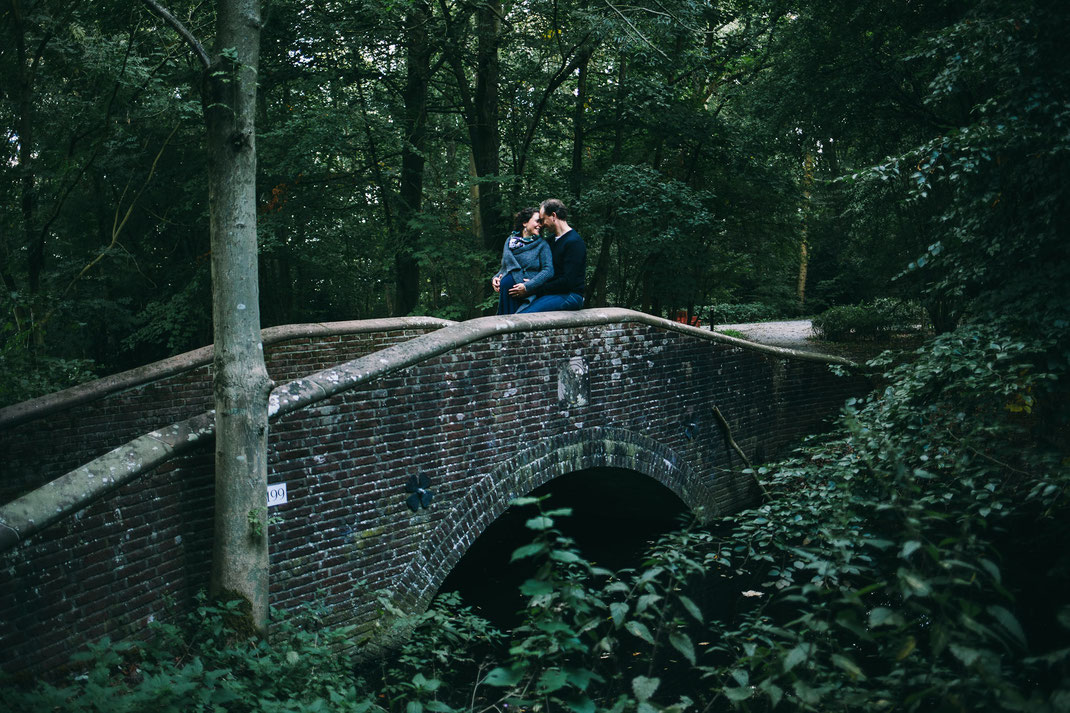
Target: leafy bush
<point>909,562</point>
<point>912,561</point>
<point>24,375</point>
<point>879,319</point>
<point>728,313</point>
<point>444,650</point>
<point>200,664</point>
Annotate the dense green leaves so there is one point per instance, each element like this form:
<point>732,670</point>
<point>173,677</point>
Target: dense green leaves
<point>912,556</point>
<point>199,664</point>
<point>917,149</point>
<point>914,559</point>
<point>370,118</point>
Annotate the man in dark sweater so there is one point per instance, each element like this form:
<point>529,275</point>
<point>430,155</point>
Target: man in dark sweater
<point>563,291</point>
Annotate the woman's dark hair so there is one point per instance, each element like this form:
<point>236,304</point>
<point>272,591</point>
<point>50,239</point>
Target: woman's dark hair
<point>522,217</point>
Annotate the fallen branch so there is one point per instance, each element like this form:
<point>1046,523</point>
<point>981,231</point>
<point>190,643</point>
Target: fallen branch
<point>727,431</point>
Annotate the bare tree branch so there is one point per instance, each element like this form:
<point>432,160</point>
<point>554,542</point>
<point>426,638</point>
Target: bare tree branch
<point>581,52</point>
<point>117,226</point>
<point>727,431</point>
<point>178,27</point>
<point>635,29</point>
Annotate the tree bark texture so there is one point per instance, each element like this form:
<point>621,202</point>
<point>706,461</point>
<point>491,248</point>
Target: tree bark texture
<point>576,175</point>
<point>485,138</point>
<point>242,385</point>
<point>413,149</point>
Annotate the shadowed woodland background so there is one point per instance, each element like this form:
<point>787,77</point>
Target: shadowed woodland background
<point>710,150</point>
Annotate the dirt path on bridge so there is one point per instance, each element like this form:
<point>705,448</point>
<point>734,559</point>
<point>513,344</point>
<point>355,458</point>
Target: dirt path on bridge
<point>793,334</point>
<point>798,334</point>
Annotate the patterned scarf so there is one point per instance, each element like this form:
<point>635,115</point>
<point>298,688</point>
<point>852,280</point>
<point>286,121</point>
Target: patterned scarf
<point>517,240</point>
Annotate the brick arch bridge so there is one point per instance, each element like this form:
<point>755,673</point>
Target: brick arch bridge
<point>536,466</point>
<point>108,487</point>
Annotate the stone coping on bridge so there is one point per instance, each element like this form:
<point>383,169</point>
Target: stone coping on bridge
<point>46,405</point>
<point>310,389</point>
<point>76,489</point>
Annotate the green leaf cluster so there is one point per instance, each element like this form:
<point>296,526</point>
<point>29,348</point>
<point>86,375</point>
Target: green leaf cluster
<point>878,320</point>
<point>911,560</point>
<point>199,663</point>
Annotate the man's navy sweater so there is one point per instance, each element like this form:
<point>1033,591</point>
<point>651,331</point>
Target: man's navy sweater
<point>570,265</point>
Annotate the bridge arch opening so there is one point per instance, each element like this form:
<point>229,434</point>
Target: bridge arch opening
<point>616,514</point>
<point>645,461</point>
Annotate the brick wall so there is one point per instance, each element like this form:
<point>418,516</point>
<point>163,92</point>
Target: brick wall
<point>38,451</point>
<point>484,423</point>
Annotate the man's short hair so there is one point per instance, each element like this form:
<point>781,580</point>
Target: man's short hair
<point>552,205</point>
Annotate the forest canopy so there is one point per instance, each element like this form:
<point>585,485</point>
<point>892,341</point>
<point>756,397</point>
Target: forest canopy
<point>799,155</point>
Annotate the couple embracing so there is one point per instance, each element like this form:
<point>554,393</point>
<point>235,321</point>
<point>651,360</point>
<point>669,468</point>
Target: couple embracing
<point>544,263</point>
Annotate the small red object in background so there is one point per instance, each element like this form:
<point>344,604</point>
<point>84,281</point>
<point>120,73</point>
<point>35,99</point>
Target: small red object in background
<point>683,317</point>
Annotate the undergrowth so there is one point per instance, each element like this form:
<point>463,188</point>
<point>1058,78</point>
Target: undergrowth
<point>912,561</point>
<point>877,320</point>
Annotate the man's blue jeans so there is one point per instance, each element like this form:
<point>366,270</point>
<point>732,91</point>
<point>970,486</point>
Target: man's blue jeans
<point>553,303</point>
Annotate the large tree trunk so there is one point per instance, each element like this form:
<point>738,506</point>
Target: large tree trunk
<point>242,385</point>
<point>481,114</point>
<point>485,139</point>
<point>410,194</point>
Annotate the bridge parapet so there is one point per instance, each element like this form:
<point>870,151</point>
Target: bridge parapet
<point>486,410</point>
<point>43,438</point>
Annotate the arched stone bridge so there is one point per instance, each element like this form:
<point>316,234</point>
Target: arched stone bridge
<point>485,410</point>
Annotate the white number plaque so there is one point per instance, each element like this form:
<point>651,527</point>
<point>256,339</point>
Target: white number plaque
<point>276,494</point>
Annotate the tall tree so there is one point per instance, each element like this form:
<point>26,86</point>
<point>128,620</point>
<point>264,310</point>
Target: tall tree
<point>481,110</point>
<point>486,140</point>
<point>241,382</point>
<point>413,148</point>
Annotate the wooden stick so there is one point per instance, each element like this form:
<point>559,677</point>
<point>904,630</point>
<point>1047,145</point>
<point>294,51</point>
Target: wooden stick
<point>727,430</point>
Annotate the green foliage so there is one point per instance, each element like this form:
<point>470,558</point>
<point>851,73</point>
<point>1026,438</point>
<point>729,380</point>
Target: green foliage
<point>887,565</point>
<point>199,664</point>
<point>880,319</point>
<point>732,313</point>
<point>983,192</point>
<point>591,638</point>
<point>258,519</point>
<point>24,375</point>
<point>83,243</point>
<point>915,560</point>
<point>660,232</point>
<point>935,133</point>
<point>177,320</point>
<point>445,650</point>
<point>912,559</point>
<point>454,270</point>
